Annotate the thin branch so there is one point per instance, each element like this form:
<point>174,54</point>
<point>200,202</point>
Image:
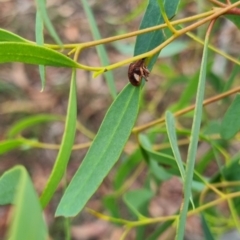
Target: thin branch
<point>186,110</point>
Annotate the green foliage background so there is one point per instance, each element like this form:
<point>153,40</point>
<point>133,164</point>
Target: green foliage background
<point>165,148</point>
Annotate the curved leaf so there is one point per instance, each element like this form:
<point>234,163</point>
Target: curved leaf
<point>29,122</point>
<point>40,41</point>
<point>41,7</point>
<point>6,146</point>
<point>192,149</point>
<point>100,48</point>
<point>171,131</point>
<point>66,146</point>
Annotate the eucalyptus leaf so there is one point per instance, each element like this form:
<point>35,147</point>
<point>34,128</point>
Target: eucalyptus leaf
<point>102,53</point>
<point>65,150</point>
<point>103,153</point>
<point>171,131</point>
<point>41,7</point>
<point>153,17</point>
<point>33,54</point>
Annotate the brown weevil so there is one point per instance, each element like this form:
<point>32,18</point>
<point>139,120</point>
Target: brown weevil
<point>137,71</point>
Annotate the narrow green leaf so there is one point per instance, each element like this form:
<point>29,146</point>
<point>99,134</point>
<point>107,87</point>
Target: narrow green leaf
<point>112,205</point>
<point>42,72</point>
<point>32,54</point>
<point>192,150</point>
<point>65,150</point>
<point>153,17</point>
<point>27,220</point>
<point>170,124</point>
<point>100,49</point>
<point>138,200</point>
<point>205,160</point>
<point>39,29</point>
<point>231,172</point>
<point>41,6</point>
<point>8,145</point>
<point>104,151</point>
<point>206,229</point>
<point>161,165</point>
<point>40,41</point>
<point>158,171</point>
<point>165,160</point>
<point>28,122</point>
<point>216,81</point>
<point>6,36</point>
<point>228,84</point>
<point>160,230</point>
<point>231,120</point>
<point>187,94</point>
<point>233,18</point>
<point>160,157</point>
<point>126,168</point>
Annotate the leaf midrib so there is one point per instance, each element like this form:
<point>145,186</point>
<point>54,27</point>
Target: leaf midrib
<point>106,149</point>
